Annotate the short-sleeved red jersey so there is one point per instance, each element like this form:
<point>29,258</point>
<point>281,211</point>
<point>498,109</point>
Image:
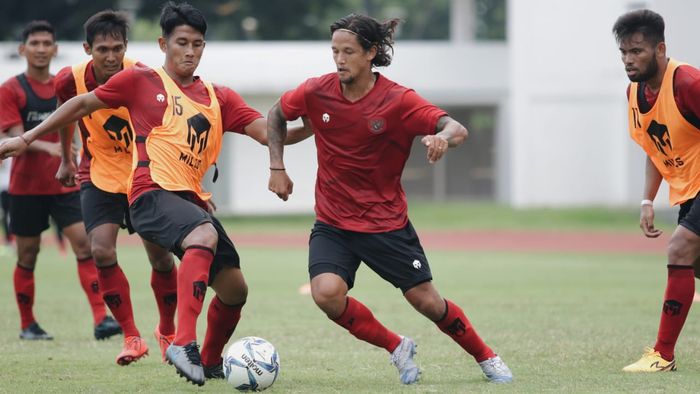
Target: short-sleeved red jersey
<point>32,173</point>
<point>362,148</point>
<point>142,92</point>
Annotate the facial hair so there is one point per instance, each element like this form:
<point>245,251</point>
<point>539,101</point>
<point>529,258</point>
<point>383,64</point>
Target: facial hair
<point>650,72</point>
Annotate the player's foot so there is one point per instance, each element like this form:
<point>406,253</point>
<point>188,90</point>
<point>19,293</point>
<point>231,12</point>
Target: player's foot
<point>164,341</point>
<point>651,361</point>
<point>187,362</point>
<point>402,358</point>
<point>106,328</point>
<point>215,371</point>
<point>134,349</point>
<point>496,371</point>
<point>34,333</point>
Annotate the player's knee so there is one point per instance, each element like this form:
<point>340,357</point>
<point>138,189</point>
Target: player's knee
<point>163,263</point>
<point>329,299</point>
<point>203,235</point>
<point>103,254</point>
<point>27,254</point>
<point>681,252</point>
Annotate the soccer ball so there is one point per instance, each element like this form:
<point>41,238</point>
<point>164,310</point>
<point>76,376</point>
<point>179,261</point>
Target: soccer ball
<point>251,363</point>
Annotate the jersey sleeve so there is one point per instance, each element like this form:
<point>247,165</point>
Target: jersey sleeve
<point>64,84</point>
<point>236,114</point>
<point>419,116</point>
<point>119,89</point>
<point>686,85</point>
<point>293,102</point>
<point>10,102</point>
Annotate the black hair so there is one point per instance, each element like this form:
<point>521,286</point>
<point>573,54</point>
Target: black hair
<point>35,27</point>
<point>174,15</point>
<point>107,22</point>
<point>371,32</point>
<point>647,22</point>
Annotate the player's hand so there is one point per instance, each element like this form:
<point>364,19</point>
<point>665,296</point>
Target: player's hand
<point>280,184</point>
<point>12,147</point>
<point>437,147</point>
<point>646,222</point>
<point>67,173</point>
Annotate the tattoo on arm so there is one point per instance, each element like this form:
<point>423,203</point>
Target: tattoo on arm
<point>276,132</point>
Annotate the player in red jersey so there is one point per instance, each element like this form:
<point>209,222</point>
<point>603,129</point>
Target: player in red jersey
<point>364,125</point>
<point>179,121</point>
<point>104,170</point>
<point>664,119</point>
<point>35,195</point>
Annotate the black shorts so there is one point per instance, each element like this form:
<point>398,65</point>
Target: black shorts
<point>100,207</point>
<point>166,218</point>
<point>29,215</point>
<point>689,215</point>
<point>397,256</point>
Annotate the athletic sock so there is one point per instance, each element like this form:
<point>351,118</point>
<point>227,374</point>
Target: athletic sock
<point>24,291</point>
<point>87,272</point>
<point>680,288</point>
<point>164,285</point>
<point>117,296</point>
<point>192,281</point>
<point>456,325</point>
<point>361,323</point>
<point>221,322</point>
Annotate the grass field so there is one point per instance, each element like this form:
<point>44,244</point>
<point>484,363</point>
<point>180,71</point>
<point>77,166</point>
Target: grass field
<point>563,322</point>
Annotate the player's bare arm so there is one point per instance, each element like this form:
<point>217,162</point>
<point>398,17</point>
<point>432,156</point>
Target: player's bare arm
<point>652,181</point>
<point>69,112</point>
<point>68,169</point>
<point>279,183</point>
<point>52,148</point>
<point>257,130</point>
<point>448,133</point>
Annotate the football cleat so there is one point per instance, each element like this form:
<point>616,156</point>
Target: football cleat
<point>496,371</point>
<point>215,371</point>
<point>651,361</point>
<point>402,358</point>
<point>187,362</point>
<point>34,333</point>
<point>108,327</point>
<point>164,341</point>
<point>134,349</point>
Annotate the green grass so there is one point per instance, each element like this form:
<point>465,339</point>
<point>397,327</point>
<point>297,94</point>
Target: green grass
<point>563,322</point>
<point>481,216</point>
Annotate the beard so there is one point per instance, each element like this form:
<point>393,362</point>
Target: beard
<point>648,74</point>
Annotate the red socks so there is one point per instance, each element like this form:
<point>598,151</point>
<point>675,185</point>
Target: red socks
<point>358,319</point>
<point>24,291</point>
<point>87,272</point>
<point>192,282</point>
<point>164,285</point>
<point>221,322</point>
<point>456,325</point>
<point>117,296</point>
<point>680,289</point>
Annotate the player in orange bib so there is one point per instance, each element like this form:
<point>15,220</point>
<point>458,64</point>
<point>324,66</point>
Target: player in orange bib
<point>178,122</point>
<point>105,166</point>
<point>664,119</point>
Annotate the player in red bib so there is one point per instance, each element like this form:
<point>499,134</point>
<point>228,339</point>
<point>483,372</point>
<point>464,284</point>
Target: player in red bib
<point>178,121</point>
<point>103,173</point>
<point>364,125</point>
<point>664,119</point>
<point>35,195</point>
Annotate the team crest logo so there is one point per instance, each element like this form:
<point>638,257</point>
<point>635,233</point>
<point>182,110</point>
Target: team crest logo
<point>326,118</point>
<point>160,98</point>
<point>659,134</point>
<point>119,130</point>
<point>377,125</point>
<point>416,264</point>
<point>198,128</point>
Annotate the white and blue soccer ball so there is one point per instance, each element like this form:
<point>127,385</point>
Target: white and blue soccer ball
<point>251,364</point>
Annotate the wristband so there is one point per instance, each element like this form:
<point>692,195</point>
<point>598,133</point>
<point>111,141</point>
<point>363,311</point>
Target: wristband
<point>277,169</point>
<point>647,202</point>
<point>24,139</point>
